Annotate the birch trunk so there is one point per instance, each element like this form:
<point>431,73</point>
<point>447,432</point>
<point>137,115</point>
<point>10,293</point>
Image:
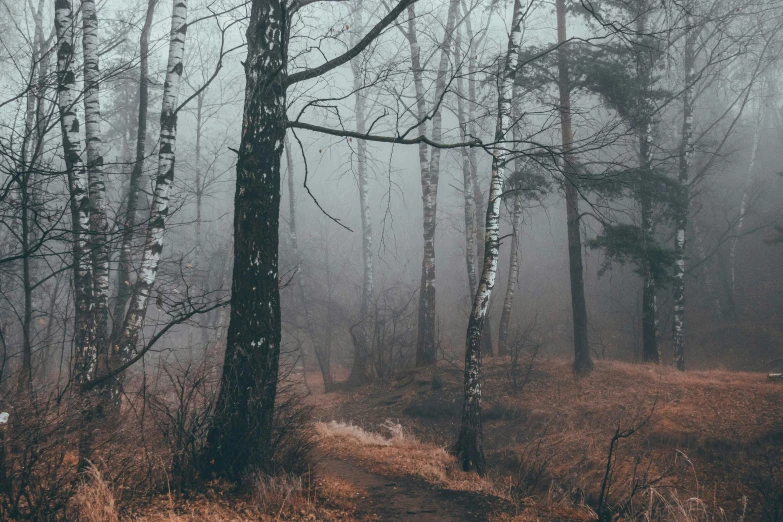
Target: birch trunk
<point>324,362</point>
<point>478,197</point>
<point>683,203</point>
<point>78,187</point>
<point>124,288</point>
<point>745,199</point>
<point>583,363</point>
<point>470,207</point>
<point>123,349</point>
<point>513,276</point>
<point>361,349</point>
<point>650,348</point>
<point>469,447</point>
<point>99,249</point>
<point>241,429</point>
<point>199,175</point>
<point>426,349</point>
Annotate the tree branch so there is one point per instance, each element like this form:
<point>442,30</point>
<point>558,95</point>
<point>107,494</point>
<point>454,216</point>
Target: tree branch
<point>350,54</point>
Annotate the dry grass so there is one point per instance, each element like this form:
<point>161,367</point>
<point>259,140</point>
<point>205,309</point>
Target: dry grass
<point>397,435</point>
<point>94,500</point>
<point>287,498</point>
<point>398,454</point>
<point>698,438</point>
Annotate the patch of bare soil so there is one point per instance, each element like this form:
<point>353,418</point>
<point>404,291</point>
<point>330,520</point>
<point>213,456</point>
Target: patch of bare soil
<point>384,498</point>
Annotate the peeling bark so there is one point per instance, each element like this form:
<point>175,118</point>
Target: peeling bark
<point>123,348</point>
<point>470,447</point>
<point>99,249</point>
<point>78,188</point>
<point>124,288</point>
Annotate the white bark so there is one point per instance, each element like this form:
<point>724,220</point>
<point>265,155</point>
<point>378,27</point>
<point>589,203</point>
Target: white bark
<point>153,245</point>
<point>97,178</point>
<point>746,191</point>
<point>682,206</point>
<point>469,447</point>
<point>78,185</point>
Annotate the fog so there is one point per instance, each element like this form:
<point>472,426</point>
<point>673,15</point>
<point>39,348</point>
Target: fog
<point>331,194</point>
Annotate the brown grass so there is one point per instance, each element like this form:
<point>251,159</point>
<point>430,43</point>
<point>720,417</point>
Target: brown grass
<point>700,438</point>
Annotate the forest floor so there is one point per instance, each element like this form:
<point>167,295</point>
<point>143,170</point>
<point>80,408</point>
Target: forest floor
<point>707,441</point>
<point>701,446</point>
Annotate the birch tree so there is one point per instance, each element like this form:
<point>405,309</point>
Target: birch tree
<point>128,227</point>
<point>99,249</point>
<point>469,447</point>
<point>683,202</point>
<point>359,368</point>
<point>425,346</point>
<point>123,348</point>
<point>78,187</point>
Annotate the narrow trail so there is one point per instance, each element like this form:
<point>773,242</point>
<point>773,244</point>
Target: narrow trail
<point>407,498</point>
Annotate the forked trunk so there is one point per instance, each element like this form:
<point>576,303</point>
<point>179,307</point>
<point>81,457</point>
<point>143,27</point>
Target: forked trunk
<point>478,198</point>
<point>128,226</point>
<point>123,348</point>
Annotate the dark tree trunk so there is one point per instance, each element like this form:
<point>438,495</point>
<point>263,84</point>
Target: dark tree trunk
<point>239,439</point>
<point>583,363</point>
<point>650,348</point>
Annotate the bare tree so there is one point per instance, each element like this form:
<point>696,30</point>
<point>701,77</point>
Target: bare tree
<point>470,447</point>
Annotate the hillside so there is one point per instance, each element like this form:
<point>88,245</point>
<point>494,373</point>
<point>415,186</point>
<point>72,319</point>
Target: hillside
<point>716,436</point>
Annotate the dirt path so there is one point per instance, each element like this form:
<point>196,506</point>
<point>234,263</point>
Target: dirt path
<point>407,498</point>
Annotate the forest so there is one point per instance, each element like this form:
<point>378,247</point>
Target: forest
<point>221,297</point>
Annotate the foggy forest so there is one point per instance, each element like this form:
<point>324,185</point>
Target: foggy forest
<point>370,260</point>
